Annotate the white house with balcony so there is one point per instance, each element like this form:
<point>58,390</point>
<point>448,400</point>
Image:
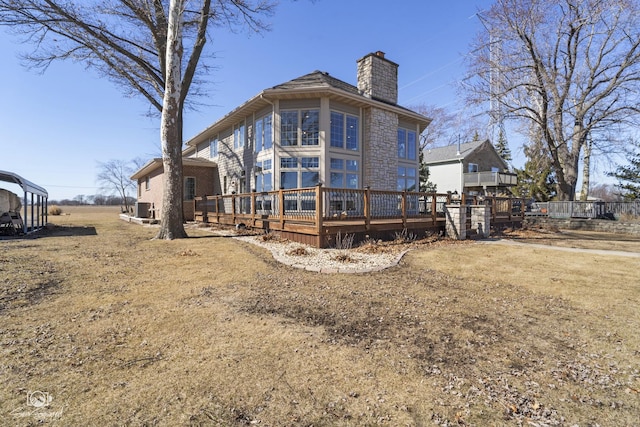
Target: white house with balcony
<point>473,168</point>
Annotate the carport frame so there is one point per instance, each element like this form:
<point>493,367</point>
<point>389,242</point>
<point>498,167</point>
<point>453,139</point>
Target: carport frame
<point>38,209</point>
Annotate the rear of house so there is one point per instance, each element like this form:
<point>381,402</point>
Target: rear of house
<point>311,130</point>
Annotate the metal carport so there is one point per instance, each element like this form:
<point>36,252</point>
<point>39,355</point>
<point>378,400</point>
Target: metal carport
<point>37,206</point>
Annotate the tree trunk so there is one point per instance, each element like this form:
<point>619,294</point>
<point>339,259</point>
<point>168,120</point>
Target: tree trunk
<point>171,225</point>
<point>586,172</point>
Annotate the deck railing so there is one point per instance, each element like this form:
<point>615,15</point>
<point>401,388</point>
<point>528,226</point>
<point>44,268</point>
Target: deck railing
<point>319,204</point>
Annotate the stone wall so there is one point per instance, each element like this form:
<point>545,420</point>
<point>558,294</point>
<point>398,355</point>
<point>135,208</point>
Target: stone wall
<point>456,216</point>
<point>380,149</point>
<point>601,225</point>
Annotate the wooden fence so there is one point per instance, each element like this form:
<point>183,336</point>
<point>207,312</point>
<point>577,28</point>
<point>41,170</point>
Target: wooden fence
<point>315,215</point>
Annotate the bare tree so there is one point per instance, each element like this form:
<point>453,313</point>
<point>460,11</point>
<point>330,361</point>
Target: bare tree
<point>570,67</point>
<point>113,176</point>
<point>446,127</point>
<point>150,48</point>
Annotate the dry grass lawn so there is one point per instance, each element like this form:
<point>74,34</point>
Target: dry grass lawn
<point>118,329</point>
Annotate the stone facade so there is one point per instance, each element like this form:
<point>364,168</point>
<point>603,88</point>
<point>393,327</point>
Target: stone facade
<point>456,225</point>
<point>481,220</point>
<point>378,78</point>
<point>380,129</point>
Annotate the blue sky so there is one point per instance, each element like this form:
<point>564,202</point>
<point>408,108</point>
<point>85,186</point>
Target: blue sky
<point>56,126</point>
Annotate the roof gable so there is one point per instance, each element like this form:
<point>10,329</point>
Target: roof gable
<point>457,152</point>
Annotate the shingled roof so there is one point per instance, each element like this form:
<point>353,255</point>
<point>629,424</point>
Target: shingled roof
<point>450,152</point>
<point>318,79</point>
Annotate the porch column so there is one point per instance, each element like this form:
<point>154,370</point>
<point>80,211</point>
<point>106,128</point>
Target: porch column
<point>456,226</point>
<point>481,220</point>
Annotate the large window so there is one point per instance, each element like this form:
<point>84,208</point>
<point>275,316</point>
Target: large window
<point>189,188</point>
<point>264,134</point>
<point>344,131</point>
<point>344,173</point>
<point>213,148</point>
<point>299,172</point>
<point>264,176</point>
<point>407,147</point>
<point>299,127</point>
<point>407,179</point>
<point>239,133</point>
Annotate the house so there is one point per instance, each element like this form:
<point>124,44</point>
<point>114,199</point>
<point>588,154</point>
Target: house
<point>473,168</point>
<point>314,129</point>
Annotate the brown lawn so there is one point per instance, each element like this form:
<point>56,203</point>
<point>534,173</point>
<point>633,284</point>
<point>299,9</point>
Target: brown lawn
<point>100,325</point>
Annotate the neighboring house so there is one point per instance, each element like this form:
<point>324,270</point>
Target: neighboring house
<point>310,130</point>
<point>474,168</point>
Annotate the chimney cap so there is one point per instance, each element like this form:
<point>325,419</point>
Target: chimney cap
<point>380,54</point>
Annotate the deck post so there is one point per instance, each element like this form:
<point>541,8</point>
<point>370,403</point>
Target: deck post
<point>434,206</point>
<point>233,208</point>
<point>281,203</point>
<point>319,213</point>
<point>253,207</point>
<point>367,208</point>
<point>494,212</point>
<point>404,208</point>
<point>204,209</point>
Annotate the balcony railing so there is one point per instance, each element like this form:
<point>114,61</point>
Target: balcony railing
<point>490,179</point>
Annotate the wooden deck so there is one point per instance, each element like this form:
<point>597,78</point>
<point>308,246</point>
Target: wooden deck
<point>316,215</point>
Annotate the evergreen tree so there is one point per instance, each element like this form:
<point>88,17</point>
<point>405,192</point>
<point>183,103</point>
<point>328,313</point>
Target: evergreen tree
<point>629,175</point>
<point>502,147</point>
<point>536,180</point>
<point>426,186</point>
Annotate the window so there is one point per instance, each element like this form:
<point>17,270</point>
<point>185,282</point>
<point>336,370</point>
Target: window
<point>302,174</point>
<point>310,127</point>
<point>306,121</point>
<point>288,162</point>
<point>344,131</point>
<point>264,176</point>
<point>407,148</point>
<point>344,173</point>
<point>213,148</point>
<point>288,128</point>
<point>407,179</point>
<point>472,167</point>
<point>264,134</point>
<point>238,135</point>
<point>147,182</point>
<point>189,188</point>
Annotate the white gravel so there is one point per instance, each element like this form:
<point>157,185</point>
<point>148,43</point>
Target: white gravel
<point>326,260</point>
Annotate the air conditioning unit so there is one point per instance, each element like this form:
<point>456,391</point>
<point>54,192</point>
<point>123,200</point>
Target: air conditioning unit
<point>142,210</point>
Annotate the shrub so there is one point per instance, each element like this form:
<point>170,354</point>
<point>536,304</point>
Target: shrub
<point>55,210</point>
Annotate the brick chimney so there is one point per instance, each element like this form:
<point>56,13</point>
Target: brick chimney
<point>378,78</point>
